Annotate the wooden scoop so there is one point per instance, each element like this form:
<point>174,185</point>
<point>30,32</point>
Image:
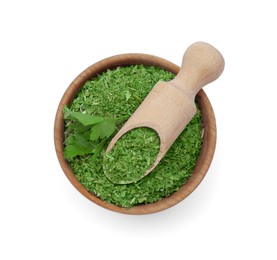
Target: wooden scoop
<point>170,106</point>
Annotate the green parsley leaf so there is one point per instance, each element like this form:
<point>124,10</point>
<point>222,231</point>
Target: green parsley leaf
<point>103,130</point>
<point>98,149</point>
<point>84,119</point>
<point>77,144</point>
<point>78,127</point>
<point>87,134</point>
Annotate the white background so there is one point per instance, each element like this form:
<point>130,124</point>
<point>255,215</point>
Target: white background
<point>45,44</point>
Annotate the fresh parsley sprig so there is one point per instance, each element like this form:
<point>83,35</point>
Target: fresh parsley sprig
<point>87,133</point>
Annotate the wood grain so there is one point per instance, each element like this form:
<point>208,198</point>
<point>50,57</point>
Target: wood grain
<point>209,137</point>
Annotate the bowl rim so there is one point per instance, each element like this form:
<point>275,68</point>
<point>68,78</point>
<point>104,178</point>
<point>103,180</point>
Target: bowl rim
<point>209,133</point>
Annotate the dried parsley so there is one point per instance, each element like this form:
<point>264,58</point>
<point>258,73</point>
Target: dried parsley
<point>133,154</point>
<point>116,93</point>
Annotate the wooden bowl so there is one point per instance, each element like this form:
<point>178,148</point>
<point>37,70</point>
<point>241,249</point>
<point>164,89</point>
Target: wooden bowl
<point>207,149</point>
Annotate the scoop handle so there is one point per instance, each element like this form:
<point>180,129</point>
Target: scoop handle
<point>202,63</point>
